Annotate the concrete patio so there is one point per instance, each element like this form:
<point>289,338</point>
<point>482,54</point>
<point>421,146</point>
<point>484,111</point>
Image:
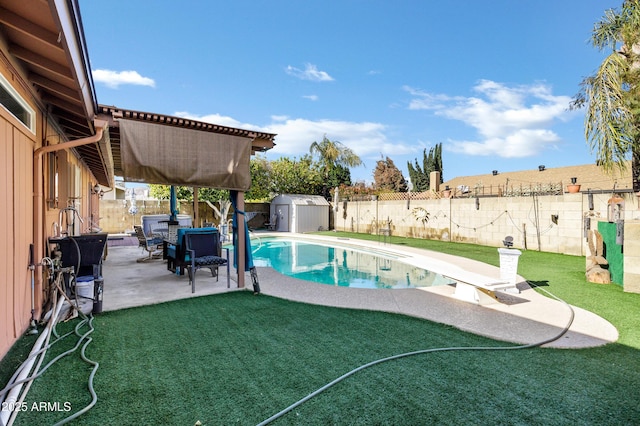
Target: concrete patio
<point>525,318</point>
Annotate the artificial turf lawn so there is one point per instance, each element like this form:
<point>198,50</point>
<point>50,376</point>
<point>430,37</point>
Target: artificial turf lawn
<point>562,275</point>
<point>238,359</point>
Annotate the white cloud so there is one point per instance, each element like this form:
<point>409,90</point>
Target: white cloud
<point>310,72</point>
<point>113,79</point>
<point>311,97</point>
<point>295,135</point>
<point>221,120</point>
<point>510,121</point>
<point>519,144</point>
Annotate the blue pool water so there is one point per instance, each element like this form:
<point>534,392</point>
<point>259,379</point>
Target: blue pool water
<point>340,265</point>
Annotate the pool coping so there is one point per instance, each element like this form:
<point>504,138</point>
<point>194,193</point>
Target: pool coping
<point>525,318</point>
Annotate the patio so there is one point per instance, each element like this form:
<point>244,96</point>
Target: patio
<point>526,318</point>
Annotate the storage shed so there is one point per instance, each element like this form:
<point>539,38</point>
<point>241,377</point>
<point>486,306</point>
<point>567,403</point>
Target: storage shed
<point>300,213</point>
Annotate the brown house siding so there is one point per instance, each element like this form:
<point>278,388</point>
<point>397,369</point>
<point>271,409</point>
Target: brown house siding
<point>16,228</point>
<point>17,209</point>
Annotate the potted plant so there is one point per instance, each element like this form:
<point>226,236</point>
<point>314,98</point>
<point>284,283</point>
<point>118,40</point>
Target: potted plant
<point>573,187</point>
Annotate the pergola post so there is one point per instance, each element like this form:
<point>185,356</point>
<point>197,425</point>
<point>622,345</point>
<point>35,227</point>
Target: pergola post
<point>241,240</point>
<point>196,209</point>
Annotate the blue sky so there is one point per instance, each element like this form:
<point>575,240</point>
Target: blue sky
<point>490,80</point>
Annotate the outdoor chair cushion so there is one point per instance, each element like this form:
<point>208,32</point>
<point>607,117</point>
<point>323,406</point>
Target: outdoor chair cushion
<point>209,260</point>
<point>204,250</point>
<point>176,253</point>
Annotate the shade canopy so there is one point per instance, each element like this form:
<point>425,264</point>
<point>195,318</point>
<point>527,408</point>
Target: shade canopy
<point>160,154</point>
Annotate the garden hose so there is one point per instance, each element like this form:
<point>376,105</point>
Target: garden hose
<point>49,331</point>
<point>426,351</point>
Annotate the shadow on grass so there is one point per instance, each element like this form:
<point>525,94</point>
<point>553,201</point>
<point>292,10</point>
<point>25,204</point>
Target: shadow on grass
<point>534,284</point>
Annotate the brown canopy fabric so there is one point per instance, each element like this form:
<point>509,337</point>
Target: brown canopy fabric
<point>160,154</point>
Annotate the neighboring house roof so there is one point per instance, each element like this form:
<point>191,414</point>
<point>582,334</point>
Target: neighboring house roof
<point>589,176</point>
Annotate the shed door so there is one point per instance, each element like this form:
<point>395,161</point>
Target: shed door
<point>283,217</point>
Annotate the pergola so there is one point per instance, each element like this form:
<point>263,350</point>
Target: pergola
<point>45,55</point>
<point>161,149</point>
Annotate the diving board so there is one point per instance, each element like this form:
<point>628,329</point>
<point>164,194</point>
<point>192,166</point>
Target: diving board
<point>470,284</point>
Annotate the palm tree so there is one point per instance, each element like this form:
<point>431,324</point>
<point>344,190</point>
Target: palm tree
<point>612,119</point>
<point>334,160</point>
<point>333,154</point>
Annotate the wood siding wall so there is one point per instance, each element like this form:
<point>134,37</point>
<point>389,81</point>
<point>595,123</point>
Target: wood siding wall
<point>16,228</point>
<point>17,221</point>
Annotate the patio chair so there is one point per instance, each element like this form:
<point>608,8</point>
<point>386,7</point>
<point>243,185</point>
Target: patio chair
<point>152,245</point>
<point>204,252</point>
<point>272,225</point>
<point>176,255</point>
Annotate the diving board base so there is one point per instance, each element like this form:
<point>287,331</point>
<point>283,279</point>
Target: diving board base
<point>481,294</point>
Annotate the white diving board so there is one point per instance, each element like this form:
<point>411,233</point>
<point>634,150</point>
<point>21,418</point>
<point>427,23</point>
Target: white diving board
<point>468,285</point>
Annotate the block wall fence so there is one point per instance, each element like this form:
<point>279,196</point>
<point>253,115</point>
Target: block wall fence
<point>116,215</point>
<point>550,223</point>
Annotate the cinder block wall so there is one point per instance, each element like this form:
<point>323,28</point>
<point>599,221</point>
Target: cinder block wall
<point>116,215</point>
<point>530,220</point>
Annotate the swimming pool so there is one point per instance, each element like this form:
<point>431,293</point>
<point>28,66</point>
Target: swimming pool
<point>340,265</point>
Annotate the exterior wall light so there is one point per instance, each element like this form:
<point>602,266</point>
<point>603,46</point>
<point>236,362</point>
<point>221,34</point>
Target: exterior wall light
<point>97,190</point>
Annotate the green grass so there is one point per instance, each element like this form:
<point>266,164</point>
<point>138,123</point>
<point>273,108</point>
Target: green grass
<point>562,275</point>
<point>238,359</point>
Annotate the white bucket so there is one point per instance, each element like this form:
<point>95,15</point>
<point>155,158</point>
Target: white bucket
<point>84,287</point>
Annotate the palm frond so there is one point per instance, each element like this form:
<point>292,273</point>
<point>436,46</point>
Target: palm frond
<point>608,127</point>
<point>607,32</point>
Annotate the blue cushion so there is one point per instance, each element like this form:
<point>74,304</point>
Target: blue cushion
<point>154,241</point>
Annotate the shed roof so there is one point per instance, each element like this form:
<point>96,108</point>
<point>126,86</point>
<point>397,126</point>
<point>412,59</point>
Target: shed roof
<point>301,199</point>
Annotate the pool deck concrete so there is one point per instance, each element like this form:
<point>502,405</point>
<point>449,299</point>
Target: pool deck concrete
<point>525,318</point>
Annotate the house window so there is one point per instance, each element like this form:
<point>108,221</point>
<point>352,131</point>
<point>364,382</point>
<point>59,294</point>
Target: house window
<point>16,105</point>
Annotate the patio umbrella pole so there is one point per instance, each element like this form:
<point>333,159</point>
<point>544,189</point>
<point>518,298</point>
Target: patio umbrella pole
<point>173,203</point>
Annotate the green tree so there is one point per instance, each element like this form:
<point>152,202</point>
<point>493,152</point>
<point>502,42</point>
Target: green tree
<point>338,175</point>
<point>612,94</point>
<point>421,176</point>
<point>333,158</point>
<point>292,176</point>
<point>260,180</point>
<point>332,154</point>
<point>388,177</point>
<point>185,193</point>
